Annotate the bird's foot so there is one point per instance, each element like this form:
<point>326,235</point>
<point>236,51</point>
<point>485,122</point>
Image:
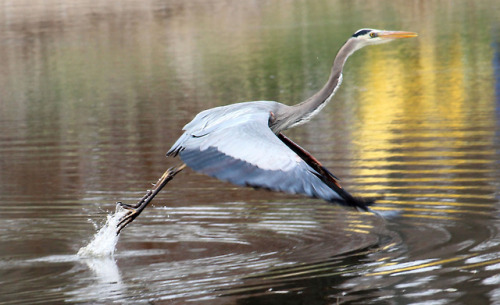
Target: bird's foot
<point>131,213</point>
<point>126,206</point>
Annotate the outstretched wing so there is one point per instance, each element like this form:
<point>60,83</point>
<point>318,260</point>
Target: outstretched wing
<point>237,145</point>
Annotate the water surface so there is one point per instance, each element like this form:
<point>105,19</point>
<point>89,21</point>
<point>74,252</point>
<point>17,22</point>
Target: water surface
<point>92,95</point>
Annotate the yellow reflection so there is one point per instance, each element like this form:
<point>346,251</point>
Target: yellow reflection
<point>357,231</point>
<point>486,263</point>
<point>443,195</point>
<point>434,210</point>
<point>381,104</point>
<point>421,119</point>
<point>430,216</point>
<point>402,94</point>
<point>438,203</point>
<point>416,267</point>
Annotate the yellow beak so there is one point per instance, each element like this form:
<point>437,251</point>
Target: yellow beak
<point>396,34</point>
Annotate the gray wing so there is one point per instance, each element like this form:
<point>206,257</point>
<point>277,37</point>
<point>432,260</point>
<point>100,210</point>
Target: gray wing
<point>237,145</point>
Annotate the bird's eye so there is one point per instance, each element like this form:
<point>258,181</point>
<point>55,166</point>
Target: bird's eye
<point>373,35</point>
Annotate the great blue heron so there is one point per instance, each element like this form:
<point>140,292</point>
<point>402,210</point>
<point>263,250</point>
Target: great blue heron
<point>243,144</point>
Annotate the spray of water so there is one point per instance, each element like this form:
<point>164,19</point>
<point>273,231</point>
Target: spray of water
<point>104,242</point>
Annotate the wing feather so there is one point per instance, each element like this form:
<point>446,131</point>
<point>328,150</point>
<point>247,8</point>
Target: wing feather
<point>235,144</point>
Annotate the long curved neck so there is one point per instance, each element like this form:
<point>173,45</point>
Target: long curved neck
<point>304,111</point>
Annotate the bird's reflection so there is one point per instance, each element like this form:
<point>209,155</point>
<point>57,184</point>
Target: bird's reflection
<point>104,282</point>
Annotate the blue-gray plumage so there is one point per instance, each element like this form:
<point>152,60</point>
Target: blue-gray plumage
<point>242,149</point>
<point>242,143</point>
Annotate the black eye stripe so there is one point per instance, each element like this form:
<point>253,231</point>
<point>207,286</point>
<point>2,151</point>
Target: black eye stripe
<point>361,32</point>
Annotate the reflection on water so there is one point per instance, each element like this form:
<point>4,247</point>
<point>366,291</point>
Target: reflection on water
<point>93,94</point>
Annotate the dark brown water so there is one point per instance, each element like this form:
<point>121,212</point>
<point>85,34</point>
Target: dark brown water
<point>92,95</point>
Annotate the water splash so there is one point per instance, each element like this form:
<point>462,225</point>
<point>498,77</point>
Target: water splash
<point>104,242</point>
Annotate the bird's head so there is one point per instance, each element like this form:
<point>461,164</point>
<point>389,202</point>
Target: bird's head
<point>366,37</point>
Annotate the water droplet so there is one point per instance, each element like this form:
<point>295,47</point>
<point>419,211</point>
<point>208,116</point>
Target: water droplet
<point>104,241</point>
